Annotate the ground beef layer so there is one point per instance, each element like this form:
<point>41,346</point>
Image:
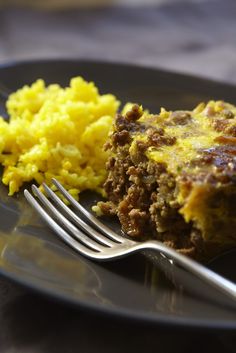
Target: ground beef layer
<point>172,177</point>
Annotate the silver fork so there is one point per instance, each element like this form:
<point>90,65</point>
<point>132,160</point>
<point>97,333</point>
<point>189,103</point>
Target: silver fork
<point>99,242</point>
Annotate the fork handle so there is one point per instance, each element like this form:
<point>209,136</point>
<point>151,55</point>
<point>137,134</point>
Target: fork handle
<point>210,277</point>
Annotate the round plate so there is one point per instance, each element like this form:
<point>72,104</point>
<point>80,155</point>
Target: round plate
<point>30,253</point>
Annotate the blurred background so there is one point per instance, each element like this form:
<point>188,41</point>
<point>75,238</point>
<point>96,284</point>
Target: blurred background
<point>191,36</point>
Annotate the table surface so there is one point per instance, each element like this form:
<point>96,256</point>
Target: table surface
<point>192,36</point>
<point>189,36</point>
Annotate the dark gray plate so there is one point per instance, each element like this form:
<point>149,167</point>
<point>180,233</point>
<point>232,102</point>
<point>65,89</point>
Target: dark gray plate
<point>133,287</point>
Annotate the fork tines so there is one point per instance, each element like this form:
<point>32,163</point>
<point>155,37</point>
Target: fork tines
<point>77,233</point>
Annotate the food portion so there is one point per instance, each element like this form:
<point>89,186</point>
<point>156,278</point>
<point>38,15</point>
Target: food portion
<point>172,177</point>
<point>57,132</point>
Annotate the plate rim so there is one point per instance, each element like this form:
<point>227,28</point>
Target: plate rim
<point>124,313</point>
<point>124,64</point>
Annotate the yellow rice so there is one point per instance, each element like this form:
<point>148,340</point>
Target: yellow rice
<point>56,132</point>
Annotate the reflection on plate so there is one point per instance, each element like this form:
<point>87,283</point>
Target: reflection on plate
<point>133,287</point>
